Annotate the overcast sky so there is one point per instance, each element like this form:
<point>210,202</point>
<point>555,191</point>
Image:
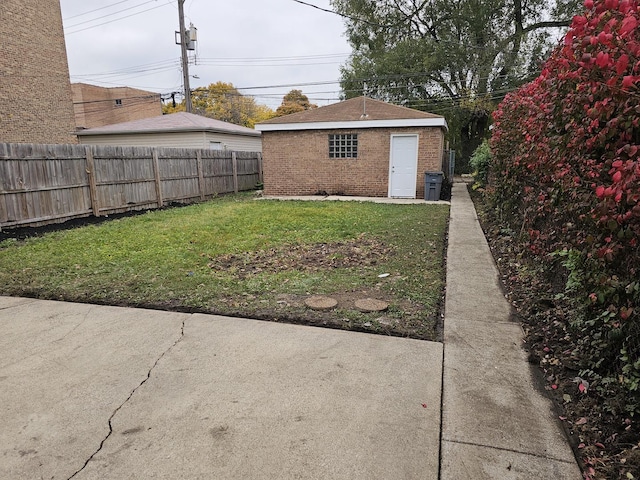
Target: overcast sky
<point>250,43</point>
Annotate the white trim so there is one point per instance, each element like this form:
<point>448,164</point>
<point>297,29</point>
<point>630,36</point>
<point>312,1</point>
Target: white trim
<point>415,176</point>
<point>404,122</point>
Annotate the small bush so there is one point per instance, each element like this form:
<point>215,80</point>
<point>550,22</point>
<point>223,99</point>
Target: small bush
<point>480,162</point>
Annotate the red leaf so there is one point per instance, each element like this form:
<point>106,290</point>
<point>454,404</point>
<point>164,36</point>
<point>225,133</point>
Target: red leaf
<point>622,64</point>
<point>579,20</point>
<point>628,25</point>
<point>581,421</point>
<point>617,176</point>
<point>627,81</point>
<point>583,389</point>
<point>602,59</point>
<point>424,405</point>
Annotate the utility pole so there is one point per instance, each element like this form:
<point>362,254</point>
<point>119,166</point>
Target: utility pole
<point>185,58</point>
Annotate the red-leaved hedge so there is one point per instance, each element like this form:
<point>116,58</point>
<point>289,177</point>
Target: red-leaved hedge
<point>565,175</point>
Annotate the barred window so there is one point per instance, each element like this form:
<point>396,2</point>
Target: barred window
<point>343,146</point>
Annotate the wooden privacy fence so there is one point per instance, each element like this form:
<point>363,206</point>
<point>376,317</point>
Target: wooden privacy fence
<point>42,184</point>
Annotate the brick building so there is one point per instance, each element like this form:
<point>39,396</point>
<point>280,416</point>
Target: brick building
<point>98,106</point>
<point>360,147</point>
<point>35,92</point>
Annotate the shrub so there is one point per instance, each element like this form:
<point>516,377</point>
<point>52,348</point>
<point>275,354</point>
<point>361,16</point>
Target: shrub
<point>565,173</point>
<point>480,161</point>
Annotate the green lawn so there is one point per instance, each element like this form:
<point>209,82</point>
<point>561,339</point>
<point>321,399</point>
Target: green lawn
<point>237,256</point>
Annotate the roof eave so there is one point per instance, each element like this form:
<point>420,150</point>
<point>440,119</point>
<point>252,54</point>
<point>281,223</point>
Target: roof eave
<point>171,130</point>
<point>405,122</point>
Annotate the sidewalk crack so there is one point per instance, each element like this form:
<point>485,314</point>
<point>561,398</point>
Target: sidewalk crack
<point>511,450</point>
<point>104,440</point>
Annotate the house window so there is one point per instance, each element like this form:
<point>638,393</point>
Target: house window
<point>215,146</point>
<point>343,145</point>
<point>118,102</point>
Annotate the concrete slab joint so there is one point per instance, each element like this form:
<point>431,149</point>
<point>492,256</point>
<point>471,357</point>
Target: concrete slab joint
<point>115,412</point>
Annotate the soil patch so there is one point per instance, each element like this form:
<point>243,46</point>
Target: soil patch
<point>360,252</point>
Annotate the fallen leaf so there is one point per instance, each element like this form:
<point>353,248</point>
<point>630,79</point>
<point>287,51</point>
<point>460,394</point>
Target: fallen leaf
<point>581,421</point>
<point>566,397</point>
<point>383,275</point>
<point>424,405</point>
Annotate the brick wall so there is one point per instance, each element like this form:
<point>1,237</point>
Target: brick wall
<point>298,163</point>
<point>35,92</point>
<point>97,106</point>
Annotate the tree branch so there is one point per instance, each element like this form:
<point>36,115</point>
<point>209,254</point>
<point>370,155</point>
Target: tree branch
<point>547,24</point>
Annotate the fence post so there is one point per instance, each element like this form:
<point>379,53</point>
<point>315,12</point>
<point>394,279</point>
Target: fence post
<point>156,174</point>
<point>3,208</point>
<point>234,162</point>
<point>200,174</point>
<point>93,188</point>
<point>260,177</point>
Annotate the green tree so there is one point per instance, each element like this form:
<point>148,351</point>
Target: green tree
<point>454,58</point>
<point>224,102</point>
<point>293,102</point>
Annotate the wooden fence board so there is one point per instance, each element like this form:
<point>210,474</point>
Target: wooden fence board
<point>42,184</point>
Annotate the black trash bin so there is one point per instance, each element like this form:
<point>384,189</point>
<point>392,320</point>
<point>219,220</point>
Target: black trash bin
<point>432,185</point>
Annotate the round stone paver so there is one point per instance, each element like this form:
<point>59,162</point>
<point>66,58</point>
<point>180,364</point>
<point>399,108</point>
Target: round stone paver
<point>318,302</point>
<point>371,305</point>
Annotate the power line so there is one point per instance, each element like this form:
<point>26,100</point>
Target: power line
<point>116,19</point>
<point>153,65</point>
<point>96,9</point>
<point>236,65</point>
<point>287,58</point>
<point>343,15</point>
<point>110,14</point>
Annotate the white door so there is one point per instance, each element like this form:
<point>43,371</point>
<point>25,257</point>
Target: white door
<point>403,166</point>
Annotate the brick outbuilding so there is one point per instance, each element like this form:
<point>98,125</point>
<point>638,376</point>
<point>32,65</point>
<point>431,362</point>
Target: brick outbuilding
<point>360,147</point>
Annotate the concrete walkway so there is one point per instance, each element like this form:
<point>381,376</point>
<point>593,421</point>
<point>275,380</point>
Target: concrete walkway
<point>495,423</point>
<point>96,392</point>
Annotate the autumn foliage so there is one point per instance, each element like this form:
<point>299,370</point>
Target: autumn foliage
<point>566,178</point>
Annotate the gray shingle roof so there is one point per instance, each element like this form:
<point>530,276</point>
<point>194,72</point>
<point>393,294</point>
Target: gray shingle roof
<point>174,122</point>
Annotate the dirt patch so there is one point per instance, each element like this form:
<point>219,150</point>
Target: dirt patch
<point>404,317</point>
<point>359,252</point>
